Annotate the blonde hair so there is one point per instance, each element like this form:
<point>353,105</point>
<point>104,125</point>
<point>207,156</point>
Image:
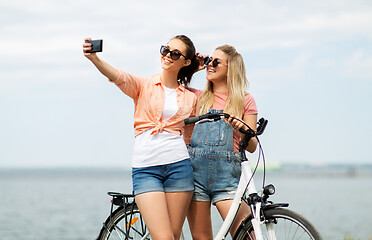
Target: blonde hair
<point>236,82</point>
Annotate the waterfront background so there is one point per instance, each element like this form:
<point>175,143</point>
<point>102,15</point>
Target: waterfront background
<point>71,204</point>
<point>62,124</point>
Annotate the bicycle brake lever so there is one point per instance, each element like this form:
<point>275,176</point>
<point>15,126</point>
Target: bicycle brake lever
<point>261,126</point>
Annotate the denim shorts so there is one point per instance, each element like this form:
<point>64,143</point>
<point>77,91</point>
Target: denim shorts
<point>174,177</point>
<point>216,176</point>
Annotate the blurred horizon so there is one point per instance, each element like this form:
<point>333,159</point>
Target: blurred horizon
<point>269,167</point>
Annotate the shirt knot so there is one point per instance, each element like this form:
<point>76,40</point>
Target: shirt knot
<point>158,128</point>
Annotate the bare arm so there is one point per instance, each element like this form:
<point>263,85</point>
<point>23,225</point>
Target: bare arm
<point>105,68</point>
<point>251,120</point>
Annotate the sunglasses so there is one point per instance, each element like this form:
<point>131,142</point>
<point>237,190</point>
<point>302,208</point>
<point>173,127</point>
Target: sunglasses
<point>175,55</point>
<point>215,62</point>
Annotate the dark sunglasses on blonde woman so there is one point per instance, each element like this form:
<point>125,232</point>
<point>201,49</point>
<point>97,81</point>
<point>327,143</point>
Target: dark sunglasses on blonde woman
<point>215,62</point>
<point>175,55</point>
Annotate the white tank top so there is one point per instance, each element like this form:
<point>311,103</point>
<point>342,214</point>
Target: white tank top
<point>163,147</point>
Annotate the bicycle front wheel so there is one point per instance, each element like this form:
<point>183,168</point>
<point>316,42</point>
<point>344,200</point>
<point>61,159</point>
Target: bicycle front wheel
<point>125,223</point>
<point>284,224</point>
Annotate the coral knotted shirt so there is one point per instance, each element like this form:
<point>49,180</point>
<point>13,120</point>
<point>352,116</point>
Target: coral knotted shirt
<point>148,96</point>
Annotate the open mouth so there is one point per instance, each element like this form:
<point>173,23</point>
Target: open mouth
<point>167,61</point>
<point>211,70</point>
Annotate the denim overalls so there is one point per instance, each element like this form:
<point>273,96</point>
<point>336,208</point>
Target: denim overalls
<point>216,166</point>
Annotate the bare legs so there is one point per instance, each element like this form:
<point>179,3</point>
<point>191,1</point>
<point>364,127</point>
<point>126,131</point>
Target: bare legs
<point>223,208</point>
<point>199,218</point>
<point>164,213</point>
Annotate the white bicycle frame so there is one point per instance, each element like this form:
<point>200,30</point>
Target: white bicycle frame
<point>245,179</point>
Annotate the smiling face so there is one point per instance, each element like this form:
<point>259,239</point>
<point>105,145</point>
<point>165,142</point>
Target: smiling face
<point>168,63</point>
<point>218,74</point>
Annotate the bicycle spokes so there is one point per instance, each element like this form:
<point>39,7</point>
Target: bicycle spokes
<point>134,220</point>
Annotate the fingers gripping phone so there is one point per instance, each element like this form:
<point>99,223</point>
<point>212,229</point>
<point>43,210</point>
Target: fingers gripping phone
<point>96,45</point>
<point>207,60</point>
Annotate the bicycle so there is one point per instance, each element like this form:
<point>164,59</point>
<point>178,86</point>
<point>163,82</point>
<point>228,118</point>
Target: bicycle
<point>268,220</point>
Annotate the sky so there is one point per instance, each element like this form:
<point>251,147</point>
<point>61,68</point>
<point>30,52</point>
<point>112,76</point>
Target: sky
<point>309,64</point>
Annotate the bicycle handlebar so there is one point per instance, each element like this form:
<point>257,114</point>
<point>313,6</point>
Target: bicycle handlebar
<point>210,117</point>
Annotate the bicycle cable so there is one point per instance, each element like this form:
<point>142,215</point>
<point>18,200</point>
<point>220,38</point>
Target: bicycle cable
<point>260,151</point>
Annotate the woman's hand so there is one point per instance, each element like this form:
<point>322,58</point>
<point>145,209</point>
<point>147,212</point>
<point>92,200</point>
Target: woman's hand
<point>251,120</point>
<point>236,123</point>
<point>105,68</point>
<point>87,47</point>
<point>200,58</point>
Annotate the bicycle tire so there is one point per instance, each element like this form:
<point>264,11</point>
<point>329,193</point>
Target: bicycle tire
<point>288,225</point>
<point>124,223</point>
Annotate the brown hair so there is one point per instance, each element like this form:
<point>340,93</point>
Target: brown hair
<point>185,74</point>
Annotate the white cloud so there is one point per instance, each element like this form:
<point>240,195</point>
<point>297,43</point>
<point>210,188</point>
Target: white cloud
<point>41,41</point>
<point>358,66</point>
<point>52,27</point>
<point>273,76</point>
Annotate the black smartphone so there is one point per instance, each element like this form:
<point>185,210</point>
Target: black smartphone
<point>96,46</point>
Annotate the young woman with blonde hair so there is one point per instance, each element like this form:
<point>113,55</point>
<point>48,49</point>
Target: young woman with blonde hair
<point>214,145</point>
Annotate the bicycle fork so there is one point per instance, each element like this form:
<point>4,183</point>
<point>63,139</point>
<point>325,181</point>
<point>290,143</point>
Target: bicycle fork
<point>257,223</point>
<point>256,220</point>
<point>254,202</point>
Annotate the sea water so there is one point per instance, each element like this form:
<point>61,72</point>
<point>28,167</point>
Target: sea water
<point>69,204</point>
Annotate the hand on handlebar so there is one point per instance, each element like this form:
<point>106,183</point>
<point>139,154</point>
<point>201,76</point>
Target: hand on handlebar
<point>236,123</point>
